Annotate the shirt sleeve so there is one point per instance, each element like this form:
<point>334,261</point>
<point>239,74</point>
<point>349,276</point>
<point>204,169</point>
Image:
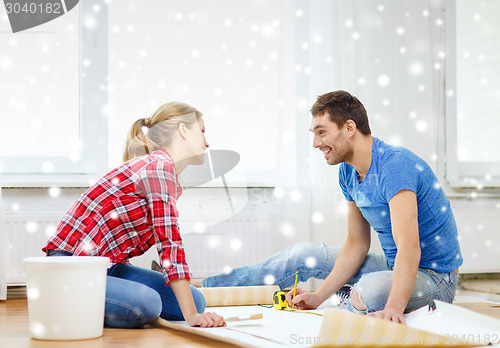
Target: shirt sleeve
<point>158,184</point>
<point>343,181</point>
<point>399,173</point>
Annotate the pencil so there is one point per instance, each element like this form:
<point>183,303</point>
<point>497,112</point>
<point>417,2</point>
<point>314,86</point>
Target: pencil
<point>295,286</point>
<point>245,317</point>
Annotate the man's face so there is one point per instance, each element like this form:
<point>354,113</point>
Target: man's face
<point>330,139</point>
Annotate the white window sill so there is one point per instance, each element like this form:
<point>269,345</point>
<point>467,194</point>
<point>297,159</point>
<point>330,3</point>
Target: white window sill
<point>473,183</point>
<point>46,180</point>
<point>85,181</point>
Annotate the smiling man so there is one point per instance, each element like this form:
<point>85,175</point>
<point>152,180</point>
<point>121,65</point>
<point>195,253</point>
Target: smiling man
<point>389,189</point>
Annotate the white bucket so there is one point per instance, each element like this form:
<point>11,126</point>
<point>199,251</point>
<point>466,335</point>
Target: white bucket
<point>66,296</point>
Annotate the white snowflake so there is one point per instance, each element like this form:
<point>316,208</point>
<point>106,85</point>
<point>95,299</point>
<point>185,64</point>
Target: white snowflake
<point>90,23</point>
<point>311,262</point>
<point>295,196</point>
<point>166,263</point>
<point>416,69</point>
<point>317,217</point>
<point>383,80</point>
<point>200,227</point>
<point>213,242</point>
<point>33,293</point>
<point>50,230</point>
<point>269,279</point>
<point>31,227</point>
<point>421,126</point>
<point>47,167</point>
<point>236,244</point>
<point>54,192</point>
<point>287,229</point>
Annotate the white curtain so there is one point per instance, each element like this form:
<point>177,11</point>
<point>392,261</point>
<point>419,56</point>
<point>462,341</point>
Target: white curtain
<point>390,54</point>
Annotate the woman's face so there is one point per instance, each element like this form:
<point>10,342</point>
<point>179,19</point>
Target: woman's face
<point>198,143</point>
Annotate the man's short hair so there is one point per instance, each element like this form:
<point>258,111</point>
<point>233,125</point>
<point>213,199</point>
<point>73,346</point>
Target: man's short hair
<point>342,106</point>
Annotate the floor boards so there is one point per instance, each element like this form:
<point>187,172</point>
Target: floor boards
<point>14,332</point>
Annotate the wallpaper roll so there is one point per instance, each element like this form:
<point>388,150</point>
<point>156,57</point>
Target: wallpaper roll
<point>343,329</point>
<point>239,295</point>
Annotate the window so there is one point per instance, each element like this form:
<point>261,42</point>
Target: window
<point>473,112</point>
<point>219,56</point>
<point>52,100</point>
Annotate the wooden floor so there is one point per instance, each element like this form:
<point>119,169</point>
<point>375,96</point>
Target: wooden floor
<point>14,332</point>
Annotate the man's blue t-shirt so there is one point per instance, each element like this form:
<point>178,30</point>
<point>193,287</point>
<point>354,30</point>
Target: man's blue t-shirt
<point>394,169</point>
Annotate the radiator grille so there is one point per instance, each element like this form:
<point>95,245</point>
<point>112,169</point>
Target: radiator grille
<point>216,243</point>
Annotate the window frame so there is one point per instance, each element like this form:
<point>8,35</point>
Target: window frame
<point>459,174</point>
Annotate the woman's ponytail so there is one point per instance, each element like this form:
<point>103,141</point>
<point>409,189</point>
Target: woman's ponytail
<point>138,143</point>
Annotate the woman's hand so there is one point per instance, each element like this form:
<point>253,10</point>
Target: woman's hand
<point>206,319</point>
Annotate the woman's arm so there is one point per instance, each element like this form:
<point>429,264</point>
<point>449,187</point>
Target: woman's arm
<point>182,292</point>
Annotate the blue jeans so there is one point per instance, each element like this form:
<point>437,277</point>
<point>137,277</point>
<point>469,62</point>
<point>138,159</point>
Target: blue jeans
<point>136,296</point>
<point>373,280</point>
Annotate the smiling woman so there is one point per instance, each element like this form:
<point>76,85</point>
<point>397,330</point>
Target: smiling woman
<point>132,209</point>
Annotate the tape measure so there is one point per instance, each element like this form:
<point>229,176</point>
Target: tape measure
<point>279,300</point>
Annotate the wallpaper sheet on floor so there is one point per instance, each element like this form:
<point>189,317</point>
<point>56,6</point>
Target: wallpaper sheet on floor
<point>447,325</point>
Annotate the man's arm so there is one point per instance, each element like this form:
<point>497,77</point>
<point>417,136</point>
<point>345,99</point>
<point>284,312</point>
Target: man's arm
<point>404,222</point>
<point>351,257</point>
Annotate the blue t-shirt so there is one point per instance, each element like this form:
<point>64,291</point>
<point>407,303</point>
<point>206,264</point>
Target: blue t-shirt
<point>393,169</point>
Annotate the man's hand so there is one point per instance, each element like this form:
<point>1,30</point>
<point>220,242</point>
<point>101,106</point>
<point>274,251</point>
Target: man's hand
<point>206,319</point>
<point>303,299</point>
<point>389,314</point>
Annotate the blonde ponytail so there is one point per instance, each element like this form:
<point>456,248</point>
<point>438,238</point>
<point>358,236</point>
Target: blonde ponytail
<point>151,134</point>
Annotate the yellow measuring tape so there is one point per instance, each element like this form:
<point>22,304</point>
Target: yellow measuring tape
<point>279,302</point>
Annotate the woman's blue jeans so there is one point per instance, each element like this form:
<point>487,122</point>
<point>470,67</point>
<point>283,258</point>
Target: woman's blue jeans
<point>136,296</point>
<point>373,281</point>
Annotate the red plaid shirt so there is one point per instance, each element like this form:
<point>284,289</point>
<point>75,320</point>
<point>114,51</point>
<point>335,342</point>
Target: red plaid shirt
<point>128,211</point>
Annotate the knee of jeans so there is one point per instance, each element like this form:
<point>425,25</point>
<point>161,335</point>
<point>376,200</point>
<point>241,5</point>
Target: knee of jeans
<point>357,301</point>
<point>151,306</point>
<point>148,307</point>
<point>303,252</point>
<point>373,289</point>
<point>199,300</point>
<point>142,310</point>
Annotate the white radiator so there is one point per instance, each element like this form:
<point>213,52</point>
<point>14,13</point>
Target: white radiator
<point>25,236</point>
<point>479,231</point>
<point>215,243</point>
<point>218,244</point>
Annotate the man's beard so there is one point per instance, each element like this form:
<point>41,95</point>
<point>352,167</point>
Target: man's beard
<point>343,152</point>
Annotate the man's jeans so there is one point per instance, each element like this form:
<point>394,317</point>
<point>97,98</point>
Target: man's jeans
<point>136,296</point>
<point>373,281</point>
